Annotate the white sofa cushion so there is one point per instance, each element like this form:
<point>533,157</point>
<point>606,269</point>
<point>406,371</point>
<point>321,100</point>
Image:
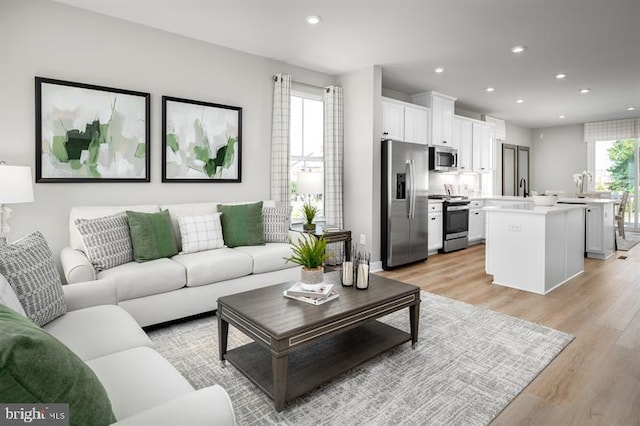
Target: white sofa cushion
<point>269,257</point>
<point>97,331</point>
<point>211,266</point>
<point>138,379</point>
<point>135,279</point>
<point>207,406</point>
<point>94,212</point>
<point>200,233</point>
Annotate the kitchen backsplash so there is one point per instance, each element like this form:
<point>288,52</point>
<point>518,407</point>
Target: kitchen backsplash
<point>469,184</point>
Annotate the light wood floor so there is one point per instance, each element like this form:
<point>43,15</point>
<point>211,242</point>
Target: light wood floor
<point>595,380</point>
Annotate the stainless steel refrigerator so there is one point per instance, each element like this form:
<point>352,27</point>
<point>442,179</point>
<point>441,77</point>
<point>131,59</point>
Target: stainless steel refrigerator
<point>405,191</point>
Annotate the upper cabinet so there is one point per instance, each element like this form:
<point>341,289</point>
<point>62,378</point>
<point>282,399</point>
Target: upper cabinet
<point>473,140</point>
<point>404,122</point>
<point>481,147</point>
<point>463,139</point>
<point>416,124</point>
<point>442,109</point>
<point>392,121</point>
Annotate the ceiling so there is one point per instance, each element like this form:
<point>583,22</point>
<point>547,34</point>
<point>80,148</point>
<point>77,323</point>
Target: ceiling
<point>595,42</point>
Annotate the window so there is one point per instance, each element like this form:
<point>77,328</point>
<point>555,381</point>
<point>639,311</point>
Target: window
<point>307,153</point>
<point>615,167</point>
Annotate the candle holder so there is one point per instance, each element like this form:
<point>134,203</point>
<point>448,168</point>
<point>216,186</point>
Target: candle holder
<point>346,278</point>
<point>361,269</point>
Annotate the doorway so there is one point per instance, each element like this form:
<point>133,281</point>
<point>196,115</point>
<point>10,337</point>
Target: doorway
<point>616,170</point>
<point>515,170</point>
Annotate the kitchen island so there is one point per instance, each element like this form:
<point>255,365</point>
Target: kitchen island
<point>534,248</point>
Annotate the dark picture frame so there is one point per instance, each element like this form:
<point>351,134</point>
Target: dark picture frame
<point>201,141</point>
<point>90,133</point>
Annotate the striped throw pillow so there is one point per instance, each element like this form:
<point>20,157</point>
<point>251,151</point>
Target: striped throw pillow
<point>107,240</point>
<point>29,267</point>
<point>276,221</point>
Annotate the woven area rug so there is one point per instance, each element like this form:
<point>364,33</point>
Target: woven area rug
<point>469,363</point>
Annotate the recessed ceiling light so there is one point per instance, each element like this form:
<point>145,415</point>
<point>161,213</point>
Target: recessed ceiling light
<point>561,75</point>
<point>631,108</point>
<point>561,116</point>
<point>519,101</point>
<point>489,89</point>
<point>439,70</point>
<point>585,90</point>
<point>518,49</point>
<point>313,19</point>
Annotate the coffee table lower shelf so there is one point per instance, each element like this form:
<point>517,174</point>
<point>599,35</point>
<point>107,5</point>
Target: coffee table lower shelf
<point>318,363</point>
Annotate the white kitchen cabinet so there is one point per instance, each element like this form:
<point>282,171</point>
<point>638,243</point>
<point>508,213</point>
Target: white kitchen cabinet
<point>416,125</point>
<point>441,112</point>
<point>600,238</point>
<point>442,121</point>
<point>476,221</point>
<point>434,238</point>
<point>403,122</point>
<point>534,248</point>
<point>463,140</point>
<point>481,147</point>
<point>392,120</point>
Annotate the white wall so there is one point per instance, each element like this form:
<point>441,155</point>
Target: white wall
<point>518,135</point>
<point>57,41</point>
<point>362,168</point>
<point>556,154</point>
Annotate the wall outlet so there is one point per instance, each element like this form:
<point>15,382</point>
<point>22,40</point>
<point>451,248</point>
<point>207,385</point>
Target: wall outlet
<point>514,228</point>
<point>363,239</point>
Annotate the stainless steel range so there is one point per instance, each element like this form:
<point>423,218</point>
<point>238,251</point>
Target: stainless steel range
<point>455,222</point>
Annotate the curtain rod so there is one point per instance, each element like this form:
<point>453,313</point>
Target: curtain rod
<point>328,89</point>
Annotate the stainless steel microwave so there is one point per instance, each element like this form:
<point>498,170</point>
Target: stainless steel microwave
<point>443,159</point>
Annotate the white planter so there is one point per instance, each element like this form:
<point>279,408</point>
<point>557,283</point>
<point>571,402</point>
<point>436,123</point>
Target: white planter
<point>311,279</point>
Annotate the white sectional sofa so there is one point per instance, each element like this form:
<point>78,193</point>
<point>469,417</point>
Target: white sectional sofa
<point>186,284</point>
<point>143,387</point>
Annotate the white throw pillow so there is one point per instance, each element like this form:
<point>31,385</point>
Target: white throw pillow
<point>8,297</point>
<point>199,233</point>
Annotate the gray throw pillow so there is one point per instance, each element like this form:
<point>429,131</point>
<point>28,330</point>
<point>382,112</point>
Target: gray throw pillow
<point>107,240</point>
<point>29,267</point>
<point>276,221</point>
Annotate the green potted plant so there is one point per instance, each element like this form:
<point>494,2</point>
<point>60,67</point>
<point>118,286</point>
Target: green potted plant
<point>309,211</point>
<point>310,253</point>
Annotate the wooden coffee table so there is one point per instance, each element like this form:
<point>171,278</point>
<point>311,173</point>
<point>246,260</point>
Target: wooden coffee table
<point>296,346</point>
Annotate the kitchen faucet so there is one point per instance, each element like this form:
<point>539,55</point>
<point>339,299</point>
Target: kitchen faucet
<point>523,183</point>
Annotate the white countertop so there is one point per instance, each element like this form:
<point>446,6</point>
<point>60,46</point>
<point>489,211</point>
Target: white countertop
<point>560,200</point>
<point>530,208</point>
<point>587,200</point>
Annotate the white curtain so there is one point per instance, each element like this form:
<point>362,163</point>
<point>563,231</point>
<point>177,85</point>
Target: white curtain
<point>333,163</point>
<point>280,140</point>
<point>612,130</point>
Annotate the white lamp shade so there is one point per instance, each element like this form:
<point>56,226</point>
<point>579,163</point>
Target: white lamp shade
<point>309,183</point>
<point>15,184</point>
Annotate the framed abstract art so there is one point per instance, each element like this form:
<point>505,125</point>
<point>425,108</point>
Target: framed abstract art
<point>201,141</point>
<point>88,133</point>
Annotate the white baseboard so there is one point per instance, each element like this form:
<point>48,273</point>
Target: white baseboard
<point>375,266</point>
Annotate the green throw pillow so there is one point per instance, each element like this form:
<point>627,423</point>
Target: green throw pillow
<point>36,368</point>
<point>151,235</point>
<point>242,224</point>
